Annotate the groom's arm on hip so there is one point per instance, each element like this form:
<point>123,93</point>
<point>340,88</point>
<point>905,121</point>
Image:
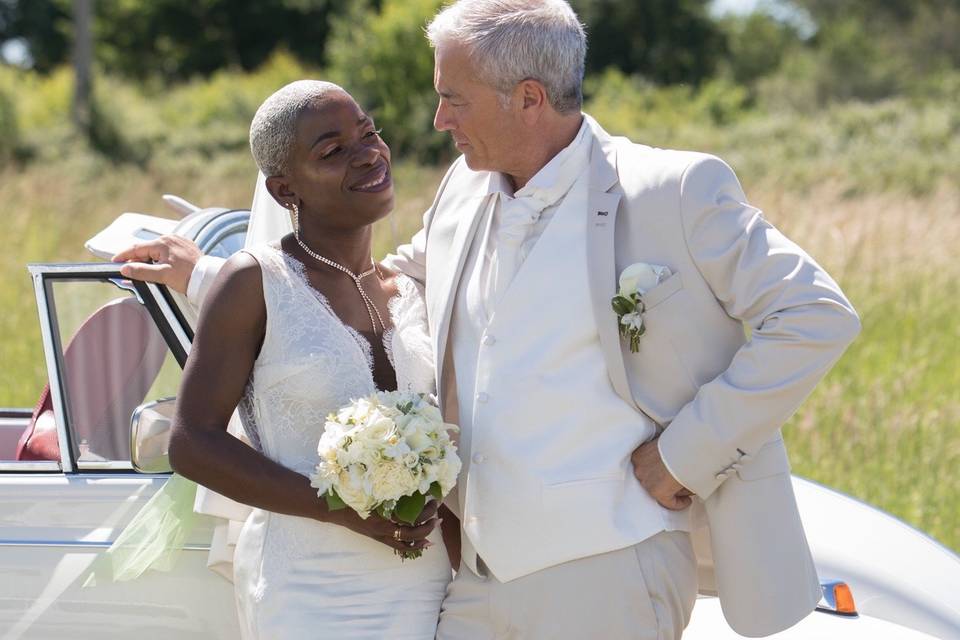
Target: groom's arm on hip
<point>800,324</point>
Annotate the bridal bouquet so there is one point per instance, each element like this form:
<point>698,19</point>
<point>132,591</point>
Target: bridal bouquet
<point>386,453</point>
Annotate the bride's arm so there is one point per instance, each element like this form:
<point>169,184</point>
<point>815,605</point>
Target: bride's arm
<point>228,338</point>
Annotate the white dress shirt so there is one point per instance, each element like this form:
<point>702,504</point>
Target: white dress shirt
<point>475,302</point>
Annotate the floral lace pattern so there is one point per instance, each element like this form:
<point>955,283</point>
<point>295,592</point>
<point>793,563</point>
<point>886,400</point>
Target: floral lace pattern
<point>297,577</point>
<point>311,363</point>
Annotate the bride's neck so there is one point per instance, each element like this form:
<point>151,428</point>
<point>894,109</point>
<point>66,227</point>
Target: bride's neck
<point>350,248</point>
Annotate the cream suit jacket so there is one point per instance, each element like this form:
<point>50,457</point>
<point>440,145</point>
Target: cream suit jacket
<point>720,396</point>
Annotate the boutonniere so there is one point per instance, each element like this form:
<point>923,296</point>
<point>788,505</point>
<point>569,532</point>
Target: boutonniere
<point>628,304</point>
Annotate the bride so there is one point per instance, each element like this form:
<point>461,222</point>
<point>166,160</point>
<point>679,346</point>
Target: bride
<point>290,332</point>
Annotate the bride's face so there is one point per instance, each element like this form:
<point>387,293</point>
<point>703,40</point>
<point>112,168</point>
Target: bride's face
<point>340,166</point>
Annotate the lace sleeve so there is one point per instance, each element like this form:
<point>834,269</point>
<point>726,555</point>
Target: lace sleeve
<point>411,344</point>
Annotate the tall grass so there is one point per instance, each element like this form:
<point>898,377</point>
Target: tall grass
<point>871,191</point>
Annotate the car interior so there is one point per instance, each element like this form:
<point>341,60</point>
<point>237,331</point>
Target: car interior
<point>109,363</point>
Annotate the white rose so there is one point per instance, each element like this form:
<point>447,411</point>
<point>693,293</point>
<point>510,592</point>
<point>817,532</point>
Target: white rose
<point>378,429</point>
<point>349,487</point>
<point>641,277</point>
<point>391,481</point>
<point>419,440</point>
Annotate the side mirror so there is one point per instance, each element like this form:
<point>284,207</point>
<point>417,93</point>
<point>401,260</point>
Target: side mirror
<point>150,436</point>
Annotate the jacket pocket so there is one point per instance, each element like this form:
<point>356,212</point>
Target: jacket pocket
<point>594,497</point>
<point>662,291</point>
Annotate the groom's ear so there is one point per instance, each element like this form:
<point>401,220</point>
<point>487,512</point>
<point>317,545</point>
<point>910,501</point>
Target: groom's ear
<point>533,100</point>
<point>279,188</point>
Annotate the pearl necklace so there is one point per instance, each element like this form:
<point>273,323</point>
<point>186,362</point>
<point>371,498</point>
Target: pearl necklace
<point>371,307</point>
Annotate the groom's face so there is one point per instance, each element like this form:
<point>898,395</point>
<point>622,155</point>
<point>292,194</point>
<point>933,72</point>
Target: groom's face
<point>482,129</point>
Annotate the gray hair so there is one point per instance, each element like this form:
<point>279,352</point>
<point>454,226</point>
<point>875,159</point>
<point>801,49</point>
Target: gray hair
<point>514,40</point>
<point>274,126</point>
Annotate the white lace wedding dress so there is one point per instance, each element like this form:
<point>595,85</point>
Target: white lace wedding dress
<point>297,578</point>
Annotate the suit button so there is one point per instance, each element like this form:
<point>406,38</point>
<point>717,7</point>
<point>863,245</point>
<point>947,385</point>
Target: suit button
<point>482,397</point>
<point>479,458</point>
<point>721,476</point>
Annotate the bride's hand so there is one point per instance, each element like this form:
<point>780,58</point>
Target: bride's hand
<point>396,535</point>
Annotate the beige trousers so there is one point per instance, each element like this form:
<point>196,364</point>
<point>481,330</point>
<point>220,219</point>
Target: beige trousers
<point>643,592</point>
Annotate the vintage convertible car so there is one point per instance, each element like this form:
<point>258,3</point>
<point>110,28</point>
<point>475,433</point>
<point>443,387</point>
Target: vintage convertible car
<point>76,468</point>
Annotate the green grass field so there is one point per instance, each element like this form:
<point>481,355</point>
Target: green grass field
<point>870,191</point>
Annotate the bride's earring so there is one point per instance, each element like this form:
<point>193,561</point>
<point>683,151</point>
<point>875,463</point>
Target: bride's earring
<point>296,217</point>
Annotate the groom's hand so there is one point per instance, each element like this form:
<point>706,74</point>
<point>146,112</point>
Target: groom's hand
<point>649,469</point>
<point>167,260</point>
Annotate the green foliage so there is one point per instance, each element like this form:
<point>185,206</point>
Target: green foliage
<point>867,51</point>
<point>9,129</point>
<point>190,123</point>
<point>630,104</point>
<point>43,24</point>
<point>172,40</point>
<point>756,45</point>
<point>665,41</point>
<point>334,501</point>
<point>409,508</point>
<point>383,59</point>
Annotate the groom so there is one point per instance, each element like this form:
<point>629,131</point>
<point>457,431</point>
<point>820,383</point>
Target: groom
<point>590,467</point>
<point>521,253</point>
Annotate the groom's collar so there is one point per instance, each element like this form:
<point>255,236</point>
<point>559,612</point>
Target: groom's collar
<point>603,160</point>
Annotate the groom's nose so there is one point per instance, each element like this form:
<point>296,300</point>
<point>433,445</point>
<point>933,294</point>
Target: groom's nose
<point>441,119</point>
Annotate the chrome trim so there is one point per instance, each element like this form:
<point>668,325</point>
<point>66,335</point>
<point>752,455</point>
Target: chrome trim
<point>104,465</point>
<point>15,422</point>
<point>219,226</point>
<point>15,412</point>
<point>29,466</point>
<point>135,438</point>
<point>85,544</point>
<point>47,320</point>
<point>81,269</point>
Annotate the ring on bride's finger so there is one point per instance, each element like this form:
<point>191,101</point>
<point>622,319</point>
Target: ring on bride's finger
<point>396,534</point>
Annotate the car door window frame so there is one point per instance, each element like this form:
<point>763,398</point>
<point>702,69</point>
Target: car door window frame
<point>166,315</point>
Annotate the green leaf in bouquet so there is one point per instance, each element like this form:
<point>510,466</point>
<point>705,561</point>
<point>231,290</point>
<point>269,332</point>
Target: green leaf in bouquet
<point>334,502</point>
<point>436,491</point>
<point>409,508</point>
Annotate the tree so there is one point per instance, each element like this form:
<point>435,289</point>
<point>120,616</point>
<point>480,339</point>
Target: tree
<point>43,24</point>
<point>665,41</point>
<point>82,65</point>
<point>174,39</point>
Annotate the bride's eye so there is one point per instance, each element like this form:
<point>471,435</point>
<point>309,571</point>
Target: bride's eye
<point>330,153</point>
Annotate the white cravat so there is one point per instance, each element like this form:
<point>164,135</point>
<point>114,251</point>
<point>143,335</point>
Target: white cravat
<point>516,217</point>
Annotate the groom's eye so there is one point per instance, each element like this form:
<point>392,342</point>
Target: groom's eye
<point>372,133</point>
<point>331,152</point>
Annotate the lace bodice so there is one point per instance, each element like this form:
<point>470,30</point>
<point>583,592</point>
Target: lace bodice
<point>311,363</point>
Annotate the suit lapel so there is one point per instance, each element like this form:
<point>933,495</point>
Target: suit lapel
<point>602,205</point>
<point>442,309</point>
